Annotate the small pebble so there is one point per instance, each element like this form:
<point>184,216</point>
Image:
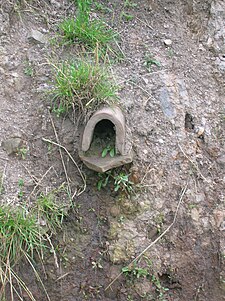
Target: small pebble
<point>145,151</point>
<point>168,42</point>
<point>200,131</point>
<point>115,211</point>
<point>38,36</point>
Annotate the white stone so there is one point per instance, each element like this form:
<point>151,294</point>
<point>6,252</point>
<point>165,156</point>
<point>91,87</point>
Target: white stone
<point>145,151</point>
<point>195,214</point>
<point>200,131</point>
<point>168,42</point>
<point>38,36</point>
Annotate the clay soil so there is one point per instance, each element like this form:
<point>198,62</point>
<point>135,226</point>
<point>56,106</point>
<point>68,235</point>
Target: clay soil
<point>171,80</point>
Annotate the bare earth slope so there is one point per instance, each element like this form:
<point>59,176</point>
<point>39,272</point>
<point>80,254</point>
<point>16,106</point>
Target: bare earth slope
<point>175,110</point>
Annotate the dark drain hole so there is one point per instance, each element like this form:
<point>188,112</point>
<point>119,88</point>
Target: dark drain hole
<point>104,137</point>
<point>189,123</point>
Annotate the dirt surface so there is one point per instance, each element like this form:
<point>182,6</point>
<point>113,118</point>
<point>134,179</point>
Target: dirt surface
<point>172,93</point>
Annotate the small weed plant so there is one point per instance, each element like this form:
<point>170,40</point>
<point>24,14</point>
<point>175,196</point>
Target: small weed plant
<point>161,290</point>
<point>120,181</point>
<point>151,61</point>
<point>21,186</point>
<point>104,179</point>
<point>28,69</point>
<point>81,85</point>
<point>126,17</point>
<point>88,33</point>
<point>49,212</point>
<point>102,8</point>
<point>135,272</point>
<point>130,4</point>
<point>22,152</point>
<point>108,150</point>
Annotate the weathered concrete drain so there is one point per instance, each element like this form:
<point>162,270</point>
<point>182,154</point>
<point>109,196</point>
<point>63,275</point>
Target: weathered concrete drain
<point>103,144</point>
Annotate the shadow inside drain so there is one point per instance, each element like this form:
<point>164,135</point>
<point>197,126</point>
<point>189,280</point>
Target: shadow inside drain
<point>189,122</point>
<point>104,139</point>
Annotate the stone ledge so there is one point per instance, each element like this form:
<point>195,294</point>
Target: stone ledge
<point>103,164</point>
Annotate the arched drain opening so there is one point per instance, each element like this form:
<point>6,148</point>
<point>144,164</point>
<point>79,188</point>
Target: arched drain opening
<point>103,140</point>
<point>104,143</point>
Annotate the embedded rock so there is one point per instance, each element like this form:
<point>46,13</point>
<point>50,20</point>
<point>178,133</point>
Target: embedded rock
<point>11,145</point>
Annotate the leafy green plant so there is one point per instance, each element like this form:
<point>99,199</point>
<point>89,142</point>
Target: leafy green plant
<point>83,5</point>
<point>103,179</point>
<point>122,182</point>
<point>130,4</point>
<point>84,30</point>
<point>108,150</point>
<point>28,70</point>
<point>160,289</point>
<point>126,17</point>
<point>82,86</point>
<point>134,271</point>
<point>192,206</point>
<point>22,151</point>
<point>150,61</point>
<point>59,109</point>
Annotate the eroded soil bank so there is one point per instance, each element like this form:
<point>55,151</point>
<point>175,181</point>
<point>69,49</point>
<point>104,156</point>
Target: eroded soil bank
<point>172,90</point>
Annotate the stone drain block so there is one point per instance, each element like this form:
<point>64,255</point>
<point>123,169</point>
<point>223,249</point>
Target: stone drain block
<point>106,129</point>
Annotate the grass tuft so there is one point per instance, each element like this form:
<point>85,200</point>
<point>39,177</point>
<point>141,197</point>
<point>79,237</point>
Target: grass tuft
<point>81,85</point>
<point>19,233</point>
<point>91,33</point>
<point>49,212</point>
<point>24,233</point>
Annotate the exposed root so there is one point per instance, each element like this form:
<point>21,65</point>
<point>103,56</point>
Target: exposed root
<point>81,174</point>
